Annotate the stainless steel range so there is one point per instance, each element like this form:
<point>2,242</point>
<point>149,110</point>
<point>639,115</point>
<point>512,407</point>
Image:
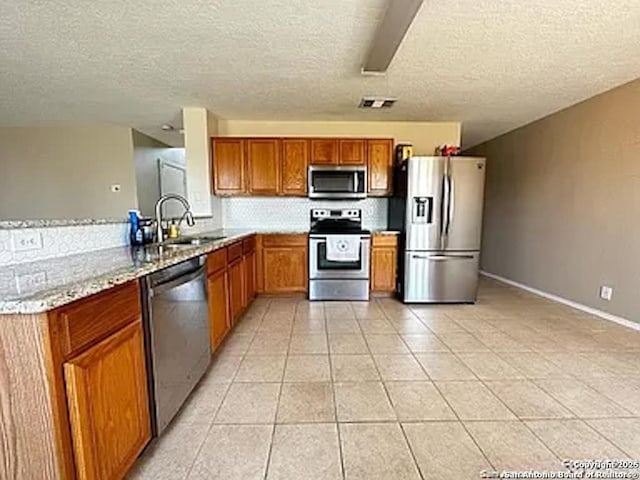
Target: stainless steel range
<point>338,255</point>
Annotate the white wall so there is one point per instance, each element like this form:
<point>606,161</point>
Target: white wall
<point>62,172</point>
<point>425,136</point>
<point>196,145</point>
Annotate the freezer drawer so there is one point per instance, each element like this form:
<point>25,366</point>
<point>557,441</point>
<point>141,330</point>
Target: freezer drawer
<point>440,277</point>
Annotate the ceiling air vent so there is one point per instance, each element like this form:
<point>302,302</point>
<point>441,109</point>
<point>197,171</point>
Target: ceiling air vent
<point>376,102</point>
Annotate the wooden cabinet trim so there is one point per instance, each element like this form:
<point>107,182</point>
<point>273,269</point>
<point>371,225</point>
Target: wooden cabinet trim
<point>352,151</point>
<point>235,251</point>
<point>294,166</point>
<point>88,320</point>
<point>217,261</point>
<point>284,240</point>
<point>229,176</point>
<point>249,244</point>
<point>324,151</point>
<point>380,166</point>
<point>384,240</point>
<point>263,167</point>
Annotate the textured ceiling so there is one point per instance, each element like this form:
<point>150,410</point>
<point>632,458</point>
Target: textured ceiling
<point>491,64</point>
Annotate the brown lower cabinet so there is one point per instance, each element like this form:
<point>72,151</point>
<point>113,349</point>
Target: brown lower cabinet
<point>231,285</point>
<point>108,405</point>
<point>282,263</point>
<point>384,260</point>
<point>73,386</point>
<point>218,291</point>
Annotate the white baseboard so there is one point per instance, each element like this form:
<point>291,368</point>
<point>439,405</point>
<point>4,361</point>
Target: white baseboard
<point>578,306</point>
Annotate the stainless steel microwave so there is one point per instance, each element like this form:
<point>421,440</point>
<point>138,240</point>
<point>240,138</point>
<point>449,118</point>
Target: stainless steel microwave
<point>328,181</point>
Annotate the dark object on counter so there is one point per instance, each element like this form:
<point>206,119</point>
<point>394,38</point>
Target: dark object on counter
<point>136,235</point>
<point>403,152</point>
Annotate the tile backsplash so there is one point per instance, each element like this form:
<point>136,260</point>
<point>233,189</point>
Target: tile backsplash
<point>57,241</point>
<point>259,213</point>
<point>293,213</point>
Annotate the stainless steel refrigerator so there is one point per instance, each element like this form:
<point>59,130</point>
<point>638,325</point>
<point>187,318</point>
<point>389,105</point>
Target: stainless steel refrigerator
<point>438,208</point>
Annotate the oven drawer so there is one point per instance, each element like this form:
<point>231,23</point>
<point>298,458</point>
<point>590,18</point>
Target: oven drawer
<point>339,289</point>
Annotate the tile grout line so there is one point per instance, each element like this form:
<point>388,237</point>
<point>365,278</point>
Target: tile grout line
<point>212,424</point>
<point>333,394</point>
<point>517,418</point>
<point>462,424</point>
<point>275,415</point>
<point>386,391</point>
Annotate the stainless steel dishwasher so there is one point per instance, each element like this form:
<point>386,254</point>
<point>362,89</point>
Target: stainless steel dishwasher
<point>177,336</point>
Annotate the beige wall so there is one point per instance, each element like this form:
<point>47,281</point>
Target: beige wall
<point>562,210</point>
<point>66,172</point>
<point>147,152</point>
<point>425,136</point>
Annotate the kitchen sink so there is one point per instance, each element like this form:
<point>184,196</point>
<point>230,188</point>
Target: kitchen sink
<point>190,241</point>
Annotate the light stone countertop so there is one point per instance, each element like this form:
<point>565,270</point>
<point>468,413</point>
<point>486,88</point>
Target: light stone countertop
<point>37,287</point>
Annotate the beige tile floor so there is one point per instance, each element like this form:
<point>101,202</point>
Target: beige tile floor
<point>381,390</point>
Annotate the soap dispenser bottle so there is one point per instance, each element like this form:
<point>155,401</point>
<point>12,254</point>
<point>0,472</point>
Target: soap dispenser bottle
<point>136,235</point>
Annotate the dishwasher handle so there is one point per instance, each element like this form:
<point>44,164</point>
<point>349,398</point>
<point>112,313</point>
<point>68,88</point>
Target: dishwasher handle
<point>177,281</point>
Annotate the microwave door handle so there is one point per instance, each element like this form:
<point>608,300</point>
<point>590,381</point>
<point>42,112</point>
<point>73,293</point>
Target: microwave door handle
<point>355,182</point>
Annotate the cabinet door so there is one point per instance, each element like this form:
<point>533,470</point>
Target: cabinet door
<point>236,290</point>
<point>228,166</point>
<point>380,166</point>
<point>107,396</point>
<point>250,276</point>
<point>324,151</point>
<point>263,165</point>
<point>295,157</point>
<point>285,269</point>
<point>383,269</point>
<point>352,151</point>
<point>218,307</point>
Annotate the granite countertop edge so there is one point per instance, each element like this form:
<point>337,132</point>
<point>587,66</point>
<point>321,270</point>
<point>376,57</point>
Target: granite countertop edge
<point>55,297</point>
<point>58,296</point>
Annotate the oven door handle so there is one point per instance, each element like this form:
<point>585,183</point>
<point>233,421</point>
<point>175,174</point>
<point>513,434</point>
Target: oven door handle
<point>324,239</point>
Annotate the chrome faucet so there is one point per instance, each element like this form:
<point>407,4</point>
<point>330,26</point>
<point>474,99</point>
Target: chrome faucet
<point>187,214</point>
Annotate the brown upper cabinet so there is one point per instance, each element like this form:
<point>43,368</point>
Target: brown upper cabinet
<point>324,151</point>
<point>263,165</point>
<point>228,166</point>
<point>353,151</point>
<point>295,158</point>
<point>380,163</point>
<point>278,166</point>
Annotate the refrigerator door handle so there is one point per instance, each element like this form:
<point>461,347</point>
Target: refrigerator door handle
<point>440,258</point>
<point>446,200</point>
<point>450,204</point>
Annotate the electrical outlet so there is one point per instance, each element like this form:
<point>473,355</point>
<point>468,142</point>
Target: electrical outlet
<point>23,240</point>
<point>31,281</point>
<point>606,293</point>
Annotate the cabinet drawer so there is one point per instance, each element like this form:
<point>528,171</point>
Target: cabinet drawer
<point>249,244</point>
<point>235,251</point>
<point>384,240</point>
<point>216,261</point>
<point>93,318</point>
<point>284,240</point>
